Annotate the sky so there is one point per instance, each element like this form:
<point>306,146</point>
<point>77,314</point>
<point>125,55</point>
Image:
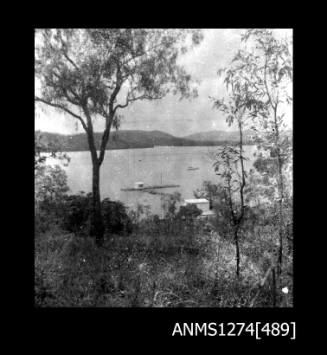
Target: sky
<point>171,115</point>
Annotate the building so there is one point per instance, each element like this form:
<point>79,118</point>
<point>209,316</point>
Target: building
<point>201,203</point>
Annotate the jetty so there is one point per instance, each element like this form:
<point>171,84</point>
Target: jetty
<point>150,187</point>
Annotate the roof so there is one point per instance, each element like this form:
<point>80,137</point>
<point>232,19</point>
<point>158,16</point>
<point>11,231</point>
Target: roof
<point>197,200</point>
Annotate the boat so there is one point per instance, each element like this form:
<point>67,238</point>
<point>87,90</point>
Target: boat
<point>192,168</point>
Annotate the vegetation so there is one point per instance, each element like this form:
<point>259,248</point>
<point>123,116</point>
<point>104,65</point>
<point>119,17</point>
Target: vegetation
<point>242,256</point>
<point>257,79</point>
<point>179,261</point>
<point>84,72</point>
<point>261,75</point>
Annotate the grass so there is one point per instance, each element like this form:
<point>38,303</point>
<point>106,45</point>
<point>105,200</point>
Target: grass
<point>154,268</point>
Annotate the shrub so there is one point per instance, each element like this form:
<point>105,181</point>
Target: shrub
<point>76,212</point>
<point>170,202</point>
<point>50,190</point>
<point>50,184</point>
<point>78,209</point>
<point>43,220</point>
<point>189,212</point>
<point>115,217</point>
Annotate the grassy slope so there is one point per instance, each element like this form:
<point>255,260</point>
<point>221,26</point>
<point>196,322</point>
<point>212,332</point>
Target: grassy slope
<point>147,269</point>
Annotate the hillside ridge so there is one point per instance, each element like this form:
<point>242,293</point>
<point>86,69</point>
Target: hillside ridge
<point>130,139</point>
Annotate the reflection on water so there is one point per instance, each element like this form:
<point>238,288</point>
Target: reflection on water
<point>154,166</point>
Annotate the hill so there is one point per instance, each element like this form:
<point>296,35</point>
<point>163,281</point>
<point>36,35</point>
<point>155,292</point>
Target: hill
<point>131,139</point>
<point>124,139</point>
<point>219,136</point>
<point>223,136</point>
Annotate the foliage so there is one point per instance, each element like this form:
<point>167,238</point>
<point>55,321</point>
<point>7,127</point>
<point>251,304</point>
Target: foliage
<point>209,191</point>
<point>87,72</point>
<point>50,184</point>
<point>115,217</point>
<point>94,63</point>
<point>77,212</point>
<point>189,212</point>
<point>81,72</point>
<point>170,202</point>
<point>177,261</point>
<point>52,148</point>
<point>216,194</point>
<point>154,269</point>
<point>265,71</point>
<point>229,161</point>
<point>50,190</point>
<point>259,78</point>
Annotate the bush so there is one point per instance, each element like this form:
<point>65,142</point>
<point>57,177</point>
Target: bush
<point>50,183</point>
<point>115,217</point>
<point>77,211</point>
<point>43,220</point>
<point>50,190</point>
<point>189,212</point>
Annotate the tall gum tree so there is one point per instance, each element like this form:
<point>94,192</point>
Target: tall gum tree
<point>95,73</point>
<point>229,162</point>
<point>264,70</point>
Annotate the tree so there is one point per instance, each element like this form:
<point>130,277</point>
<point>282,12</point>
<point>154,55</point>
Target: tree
<point>50,181</point>
<point>44,150</point>
<point>226,166</point>
<point>229,162</point>
<point>50,184</point>
<point>208,190</point>
<point>94,73</point>
<point>264,72</point>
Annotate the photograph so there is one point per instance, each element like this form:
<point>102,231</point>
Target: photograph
<point>163,168</point>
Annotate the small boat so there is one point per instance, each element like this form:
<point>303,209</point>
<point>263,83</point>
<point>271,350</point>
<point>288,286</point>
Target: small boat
<point>192,168</point>
<point>138,184</point>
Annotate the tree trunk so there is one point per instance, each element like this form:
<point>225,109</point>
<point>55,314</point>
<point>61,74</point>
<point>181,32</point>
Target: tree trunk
<point>242,185</point>
<point>274,286</point>
<point>280,185</point>
<point>281,223</point>
<point>97,227</point>
<point>237,246</point>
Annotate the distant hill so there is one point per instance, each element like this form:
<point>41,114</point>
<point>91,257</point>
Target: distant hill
<point>218,136</point>
<point>223,136</point>
<point>128,139</point>
<point>124,139</point>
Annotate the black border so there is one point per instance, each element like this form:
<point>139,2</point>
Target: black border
<point>151,323</point>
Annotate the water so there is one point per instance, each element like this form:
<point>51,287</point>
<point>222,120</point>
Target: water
<point>154,166</point>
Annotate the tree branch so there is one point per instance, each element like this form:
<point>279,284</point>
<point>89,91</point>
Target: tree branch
<point>90,136</point>
<point>66,55</point>
<point>240,126</point>
<point>141,97</point>
<point>64,109</point>
<point>265,83</point>
<point>109,116</point>
<point>104,141</point>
